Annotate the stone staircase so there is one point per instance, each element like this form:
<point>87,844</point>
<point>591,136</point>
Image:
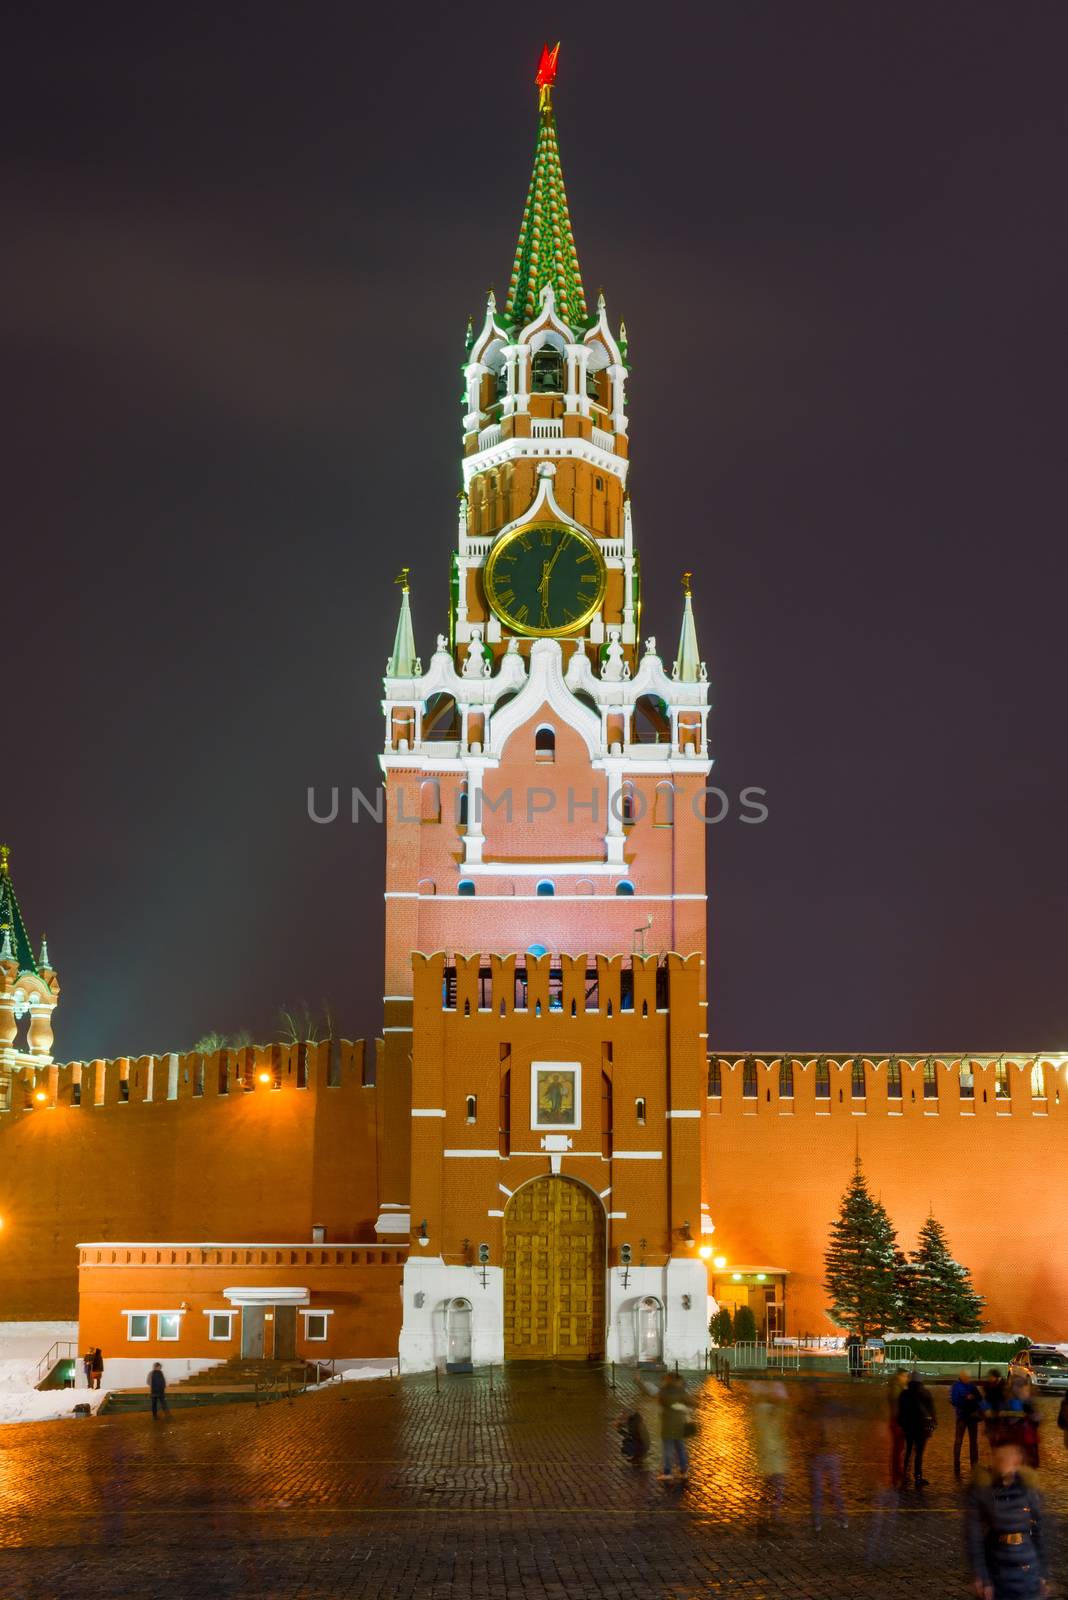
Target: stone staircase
<point>230,1382</point>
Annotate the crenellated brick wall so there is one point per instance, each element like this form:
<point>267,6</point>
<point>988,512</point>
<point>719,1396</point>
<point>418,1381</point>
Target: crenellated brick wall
<point>989,1163</point>
<point>263,1143</point>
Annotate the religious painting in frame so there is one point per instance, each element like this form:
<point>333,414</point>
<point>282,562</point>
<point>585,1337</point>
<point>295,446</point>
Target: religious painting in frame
<point>555,1094</point>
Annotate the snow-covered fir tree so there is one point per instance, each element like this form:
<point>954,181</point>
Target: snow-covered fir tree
<point>940,1297</point>
<point>861,1262</point>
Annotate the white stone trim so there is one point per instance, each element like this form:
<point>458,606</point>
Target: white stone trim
<point>422,1111</point>
<point>487,1155</point>
<point>682,1113</point>
<point>637,1155</point>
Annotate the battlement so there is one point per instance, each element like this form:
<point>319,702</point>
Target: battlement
<point>858,1085</point>
<point>219,1075</point>
<point>543,985</point>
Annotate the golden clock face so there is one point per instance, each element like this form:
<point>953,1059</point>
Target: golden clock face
<point>545,579</point>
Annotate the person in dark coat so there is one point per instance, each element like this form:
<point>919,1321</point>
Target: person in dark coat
<point>96,1372</point>
<point>995,1391</point>
<point>157,1388</point>
<point>966,1398</point>
<point>916,1414</point>
<point>1004,1529</point>
<point>1062,1420</point>
<point>87,1364</point>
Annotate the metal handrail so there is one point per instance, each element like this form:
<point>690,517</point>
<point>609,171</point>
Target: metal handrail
<point>58,1349</point>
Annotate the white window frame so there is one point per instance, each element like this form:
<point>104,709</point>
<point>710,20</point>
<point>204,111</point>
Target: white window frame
<point>307,1312</point>
<point>221,1338</point>
<point>168,1338</point>
<point>138,1338</point>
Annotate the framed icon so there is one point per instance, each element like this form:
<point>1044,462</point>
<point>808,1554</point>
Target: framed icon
<point>555,1094</point>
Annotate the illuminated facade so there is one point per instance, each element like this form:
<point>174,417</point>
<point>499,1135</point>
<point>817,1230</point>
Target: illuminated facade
<point>543,1160</point>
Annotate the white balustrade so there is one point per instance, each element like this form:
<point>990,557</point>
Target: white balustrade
<point>490,436</point>
<point>604,441</point>
<point>546,428</point>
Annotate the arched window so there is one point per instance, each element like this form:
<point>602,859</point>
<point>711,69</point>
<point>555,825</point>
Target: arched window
<point>546,887</point>
<point>639,1110</point>
<point>461,808</point>
<point>823,1081</point>
<point>860,1087</point>
<point>628,805</point>
<point>441,718</point>
<point>786,1080</point>
<point>715,1080</point>
<point>652,724</point>
<point>893,1080</point>
<point>749,1081</point>
<point>430,801</point>
<point>664,811</point>
<point>624,886</point>
<point>425,886</point>
<point>546,371</point>
<point>465,886</point>
<point>472,1107</point>
<point>545,743</point>
<point>930,1081</point>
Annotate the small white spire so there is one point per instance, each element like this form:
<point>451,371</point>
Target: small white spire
<point>688,664</point>
<point>42,959</point>
<point>403,663</point>
<point>7,952</point>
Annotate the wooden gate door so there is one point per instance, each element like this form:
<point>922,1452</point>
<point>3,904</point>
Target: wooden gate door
<point>554,1267</point>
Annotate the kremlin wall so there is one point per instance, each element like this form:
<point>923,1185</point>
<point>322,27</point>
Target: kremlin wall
<point>269,1144</point>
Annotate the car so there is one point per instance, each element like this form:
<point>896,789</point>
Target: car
<point>1044,1364</point>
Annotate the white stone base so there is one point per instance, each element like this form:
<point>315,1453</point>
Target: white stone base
<point>131,1372</point>
<point>430,1285</point>
<point>684,1328</point>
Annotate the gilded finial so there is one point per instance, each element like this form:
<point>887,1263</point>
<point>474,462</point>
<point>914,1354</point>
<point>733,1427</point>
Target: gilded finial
<point>402,578</point>
<point>686,577</point>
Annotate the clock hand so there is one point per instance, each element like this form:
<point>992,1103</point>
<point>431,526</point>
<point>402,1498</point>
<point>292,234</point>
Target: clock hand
<point>553,559</point>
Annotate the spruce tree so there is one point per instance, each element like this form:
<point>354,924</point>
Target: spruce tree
<point>942,1299</point>
<point>861,1275</point>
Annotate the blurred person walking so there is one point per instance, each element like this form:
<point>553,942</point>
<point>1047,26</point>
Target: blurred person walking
<point>770,1406</point>
<point>1004,1526</point>
<point>820,1415</point>
<point>96,1371</point>
<point>675,1407</point>
<point>966,1398</point>
<point>916,1414</point>
<point>157,1388</point>
<point>894,1389</point>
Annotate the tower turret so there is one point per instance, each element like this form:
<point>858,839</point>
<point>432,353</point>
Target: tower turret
<point>29,990</point>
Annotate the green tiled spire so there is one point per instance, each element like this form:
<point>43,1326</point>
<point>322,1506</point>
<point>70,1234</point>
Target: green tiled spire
<point>546,251</point>
<point>12,928</point>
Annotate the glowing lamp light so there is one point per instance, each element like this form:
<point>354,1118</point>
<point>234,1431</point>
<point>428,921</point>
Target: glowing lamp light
<point>40,1095</point>
<point>705,1252</point>
<point>762,1277</point>
<point>736,1277</point>
<point>264,1077</point>
<point>719,1263</point>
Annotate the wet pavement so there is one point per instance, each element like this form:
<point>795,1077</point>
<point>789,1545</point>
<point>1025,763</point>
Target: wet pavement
<point>391,1489</point>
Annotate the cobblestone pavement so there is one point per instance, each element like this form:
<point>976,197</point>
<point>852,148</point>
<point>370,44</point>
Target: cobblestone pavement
<point>518,1492</point>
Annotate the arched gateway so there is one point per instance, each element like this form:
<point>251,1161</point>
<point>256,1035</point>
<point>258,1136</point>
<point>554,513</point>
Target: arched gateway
<point>554,1272</point>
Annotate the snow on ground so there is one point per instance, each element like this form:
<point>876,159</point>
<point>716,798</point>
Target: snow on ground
<point>23,1345</point>
<point>44,1405</point>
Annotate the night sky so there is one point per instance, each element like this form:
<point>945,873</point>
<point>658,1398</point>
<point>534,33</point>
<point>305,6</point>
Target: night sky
<point>242,243</point>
